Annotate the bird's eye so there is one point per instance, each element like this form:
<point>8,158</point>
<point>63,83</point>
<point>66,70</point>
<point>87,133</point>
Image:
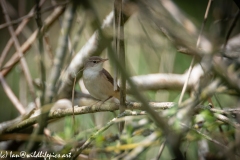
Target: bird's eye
<point>94,61</point>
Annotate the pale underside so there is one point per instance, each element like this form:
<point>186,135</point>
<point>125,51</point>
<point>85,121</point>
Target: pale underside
<point>98,85</point>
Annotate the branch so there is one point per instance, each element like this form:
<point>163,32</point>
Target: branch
<point>17,31</point>
<point>178,15</point>
<point>12,96</point>
<point>205,136</point>
<point>94,46</point>
<point>167,81</point>
<point>41,52</point>
<point>26,46</point>
<point>7,124</point>
<point>59,113</point>
<point>120,52</point>
<point>227,120</point>
<point>60,52</point>
<point>63,109</point>
<point>19,52</point>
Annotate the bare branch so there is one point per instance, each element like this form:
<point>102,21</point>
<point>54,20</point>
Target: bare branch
<point>17,31</point>
<point>20,53</point>
<point>167,81</point>
<point>47,23</point>
<point>60,53</point>
<point>11,96</point>
<point>58,113</point>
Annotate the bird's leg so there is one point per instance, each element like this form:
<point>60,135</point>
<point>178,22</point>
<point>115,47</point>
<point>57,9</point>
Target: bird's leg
<point>106,99</point>
<point>96,101</point>
<point>101,102</point>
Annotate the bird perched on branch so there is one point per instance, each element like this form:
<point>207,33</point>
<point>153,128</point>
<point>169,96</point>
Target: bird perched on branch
<point>99,82</point>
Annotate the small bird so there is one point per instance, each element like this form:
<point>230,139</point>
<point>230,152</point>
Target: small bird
<point>99,82</point>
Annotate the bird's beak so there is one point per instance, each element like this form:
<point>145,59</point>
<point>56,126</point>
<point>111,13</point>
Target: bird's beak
<point>103,60</point>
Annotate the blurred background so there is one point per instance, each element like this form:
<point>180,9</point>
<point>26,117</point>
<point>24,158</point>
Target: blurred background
<point>149,50</point>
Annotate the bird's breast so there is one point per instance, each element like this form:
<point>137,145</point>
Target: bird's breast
<point>98,86</point>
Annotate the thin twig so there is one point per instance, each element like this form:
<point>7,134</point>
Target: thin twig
<point>30,15</point>
<point>120,51</point>
<point>193,59</point>
<point>17,31</point>
<point>204,22</point>
<point>48,48</point>
<point>205,136</point>
<point>47,23</point>
<point>161,150</point>
<point>61,51</point>
<point>186,81</point>
<point>115,42</point>
<point>231,29</point>
<point>73,115</point>
<point>11,96</point>
<point>227,120</point>
<point>41,52</point>
<point>18,48</point>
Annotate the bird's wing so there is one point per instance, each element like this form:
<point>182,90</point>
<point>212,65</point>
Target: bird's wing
<point>109,77</point>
